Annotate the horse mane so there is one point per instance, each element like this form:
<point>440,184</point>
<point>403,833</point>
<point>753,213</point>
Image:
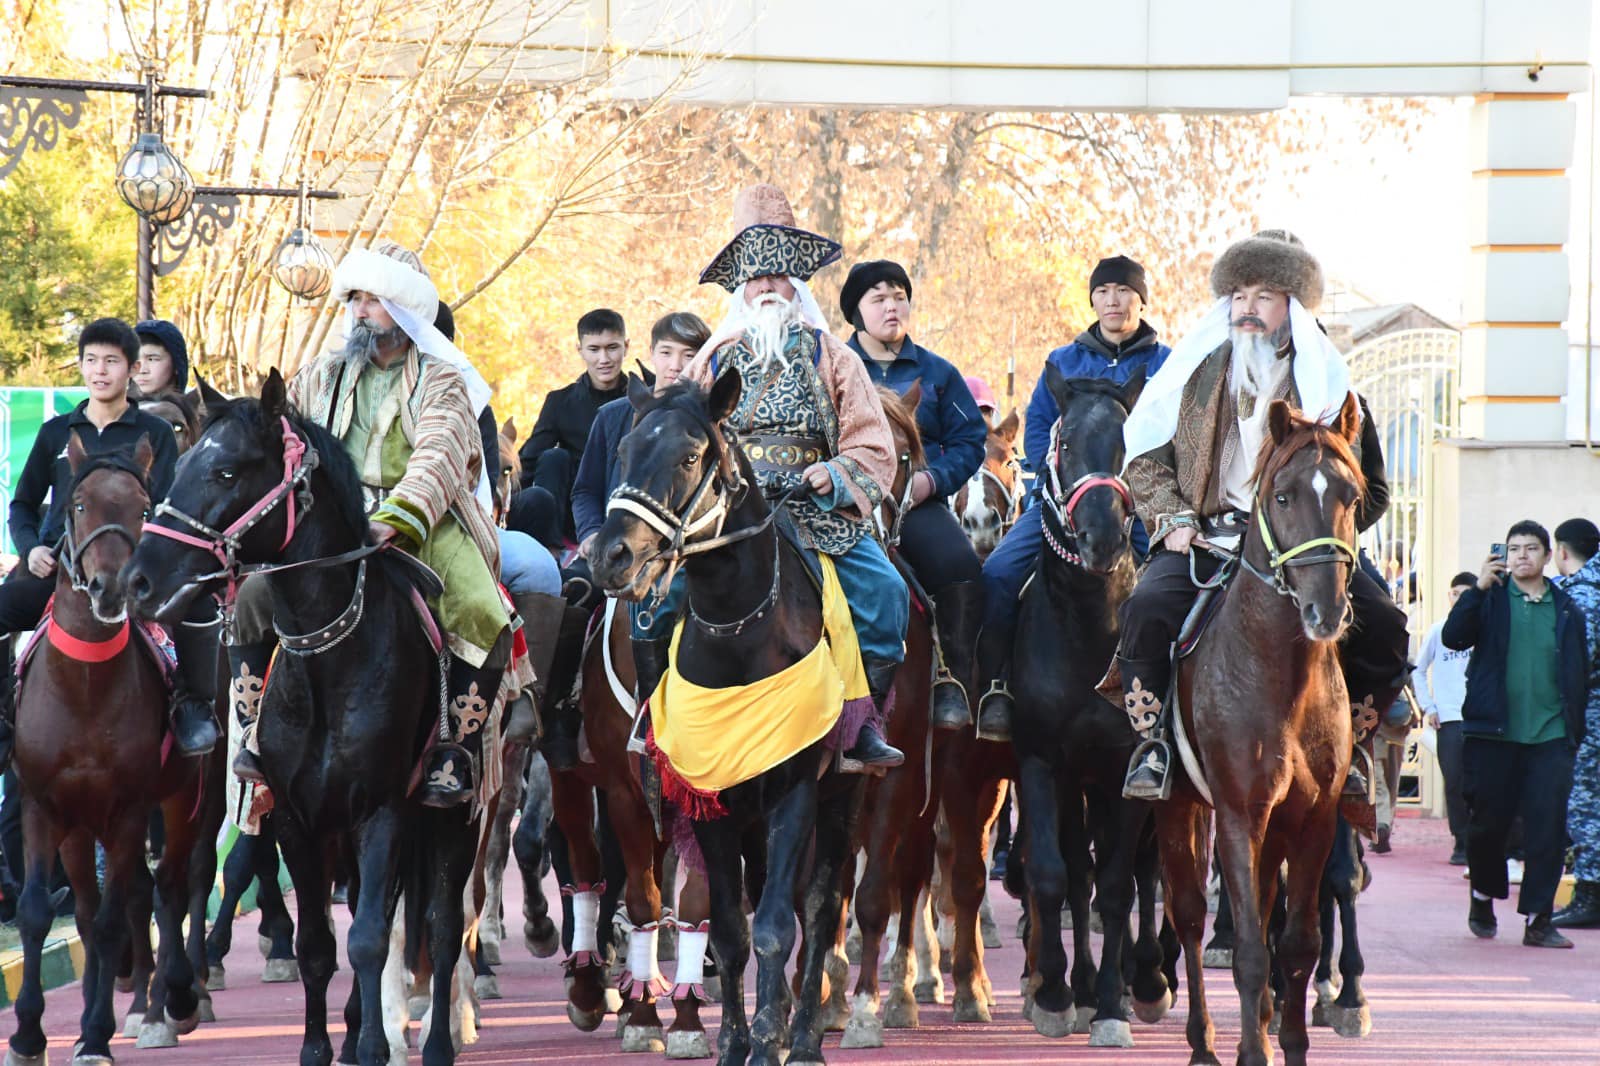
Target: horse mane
<point>1099,387</point>
<point>335,464</point>
<point>894,408</point>
<point>1305,432</point>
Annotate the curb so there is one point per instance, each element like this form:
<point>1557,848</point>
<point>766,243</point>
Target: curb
<point>60,964</point>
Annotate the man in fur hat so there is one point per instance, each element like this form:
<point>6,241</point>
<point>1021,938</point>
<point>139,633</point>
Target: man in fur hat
<point>809,414</point>
<point>403,400</point>
<point>1192,443</point>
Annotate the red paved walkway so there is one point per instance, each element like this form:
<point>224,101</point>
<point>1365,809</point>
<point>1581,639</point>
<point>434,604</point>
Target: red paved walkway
<point>1438,997</point>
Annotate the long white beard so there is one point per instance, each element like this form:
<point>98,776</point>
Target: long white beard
<point>767,323</point>
<point>1255,374</point>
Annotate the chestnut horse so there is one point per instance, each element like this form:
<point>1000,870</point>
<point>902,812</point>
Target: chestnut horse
<point>991,499</point>
<point>91,715</point>
<point>1264,701</point>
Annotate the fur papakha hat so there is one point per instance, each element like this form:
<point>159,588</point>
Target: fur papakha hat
<point>1274,258</point>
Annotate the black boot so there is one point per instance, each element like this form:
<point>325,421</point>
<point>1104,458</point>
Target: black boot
<point>541,628</point>
<point>247,667</point>
<point>561,714</point>
<point>871,752</point>
<point>960,610</point>
<point>194,727</point>
<point>649,666</point>
<point>449,778</point>
<point>1144,691</point>
<point>1584,910</point>
<point>994,666</point>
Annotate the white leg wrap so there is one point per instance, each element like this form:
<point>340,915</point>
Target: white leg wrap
<point>642,961</point>
<point>585,921</point>
<point>691,957</point>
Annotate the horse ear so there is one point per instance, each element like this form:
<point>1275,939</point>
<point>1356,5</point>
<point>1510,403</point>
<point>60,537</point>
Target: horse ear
<point>1007,430</point>
<point>76,453</point>
<point>274,395</point>
<point>725,395</point>
<point>1348,425</point>
<point>1280,420</point>
<point>206,396</point>
<point>1056,382</point>
<point>1133,387</point>
<point>509,430</point>
<point>912,397</point>
<point>144,456</point>
<point>639,395</point>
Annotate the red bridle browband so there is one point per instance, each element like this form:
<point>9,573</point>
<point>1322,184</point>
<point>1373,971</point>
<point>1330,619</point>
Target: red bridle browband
<point>223,545</point>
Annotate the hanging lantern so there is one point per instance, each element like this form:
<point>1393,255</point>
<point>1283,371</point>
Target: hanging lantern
<point>303,266</point>
<point>154,182</point>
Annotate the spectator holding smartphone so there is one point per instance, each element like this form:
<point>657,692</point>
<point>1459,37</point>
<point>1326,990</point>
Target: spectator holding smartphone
<point>1440,682</point>
<point>1523,718</point>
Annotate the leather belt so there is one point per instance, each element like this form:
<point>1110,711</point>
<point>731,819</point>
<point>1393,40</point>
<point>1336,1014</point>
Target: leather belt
<point>783,453</point>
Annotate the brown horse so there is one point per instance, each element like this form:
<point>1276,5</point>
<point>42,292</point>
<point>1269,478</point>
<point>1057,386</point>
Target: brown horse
<point>991,499</point>
<point>509,476</point>
<point>1264,700</point>
<point>89,756</point>
<point>608,707</point>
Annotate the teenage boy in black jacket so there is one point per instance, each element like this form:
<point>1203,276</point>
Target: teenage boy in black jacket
<point>1522,720</point>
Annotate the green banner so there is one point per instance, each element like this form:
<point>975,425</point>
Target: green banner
<point>22,412</point>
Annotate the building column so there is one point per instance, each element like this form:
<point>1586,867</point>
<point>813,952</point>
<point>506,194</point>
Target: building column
<point>1514,347</point>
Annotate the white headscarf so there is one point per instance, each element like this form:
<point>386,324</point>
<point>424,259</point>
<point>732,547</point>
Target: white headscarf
<point>1320,376</point>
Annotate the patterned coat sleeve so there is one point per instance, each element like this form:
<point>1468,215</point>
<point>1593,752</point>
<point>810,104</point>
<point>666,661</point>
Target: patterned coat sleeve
<point>1157,497</point>
<point>866,443</point>
<point>444,460</point>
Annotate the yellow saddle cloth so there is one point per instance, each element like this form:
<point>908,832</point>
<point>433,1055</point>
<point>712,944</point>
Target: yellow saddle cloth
<point>715,738</point>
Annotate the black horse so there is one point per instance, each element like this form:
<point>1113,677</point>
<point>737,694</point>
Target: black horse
<point>1071,744</point>
<point>341,732</point>
<point>755,612</point>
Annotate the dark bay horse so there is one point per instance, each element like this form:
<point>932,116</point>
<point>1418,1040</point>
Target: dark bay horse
<point>1072,746</point>
<point>752,612</point>
<point>1264,700</point>
<point>991,499</point>
<point>91,719</point>
<point>343,723</point>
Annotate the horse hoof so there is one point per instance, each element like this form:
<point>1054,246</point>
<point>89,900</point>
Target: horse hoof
<point>206,1012</point>
<point>1217,958</point>
<point>489,952</point>
<point>990,933</point>
<point>901,1013</point>
<point>124,984</point>
<point>1110,1032</point>
<point>417,1006</point>
<point>1153,1012</point>
<point>184,1026</point>
<point>130,1028</point>
<point>1351,1022</point>
<point>217,978</point>
<point>541,940</point>
<point>265,944</point>
<point>852,947</point>
<point>157,1034</point>
<point>487,986</point>
<point>643,1038</point>
<point>835,1016</point>
<point>585,1022</point>
<point>1320,1016</point>
<point>929,989</point>
<point>688,1044</point>
<point>864,1030</point>
<point>280,971</point>
<point>971,1009</point>
<point>1083,1017</point>
<point>92,1060</point>
<point>1327,992</point>
<point>14,1059</point>
<point>1054,1023</point>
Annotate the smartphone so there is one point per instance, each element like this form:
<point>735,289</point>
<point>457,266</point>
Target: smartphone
<point>1498,551</point>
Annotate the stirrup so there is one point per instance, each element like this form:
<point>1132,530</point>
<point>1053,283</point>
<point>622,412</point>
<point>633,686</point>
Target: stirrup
<point>994,713</point>
<point>944,679</point>
<point>1358,783</point>
<point>1149,775</point>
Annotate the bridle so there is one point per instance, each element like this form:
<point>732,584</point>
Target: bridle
<point>72,548</point>
<point>1011,493</point>
<point>1279,562</point>
<point>898,506</point>
<point>1062,501</point>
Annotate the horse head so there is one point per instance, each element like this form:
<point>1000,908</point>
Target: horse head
<point>1086,500</point>
<point>176,410</point>
<point>238,497</point>
<point>910,456</point>
<point>106,508</point>
<point>991,499</point>
<point>679,474</point>
<point>1303,533</point>
<point>509,476</point>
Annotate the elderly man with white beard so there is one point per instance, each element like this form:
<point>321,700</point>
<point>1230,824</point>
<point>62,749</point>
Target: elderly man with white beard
<point>809,414</point>
<point>1193,441</point>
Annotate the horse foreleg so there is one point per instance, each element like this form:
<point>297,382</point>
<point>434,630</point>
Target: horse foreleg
<point>789,825</point>
<point>1246,870</point>
<point>202,877</point>
<point>174,994</point>
<point>1113,881</point>
<point>1152,993</point>
<point>452,854</point>
<point>539,933</point>
<point>40,838</point>
<point>140,954</point>
<point>491,924</point>
<point>575,814</point>
<point>642,981</point>
<point>1088,1003</point>
<point>276,928</point>
<point>1047,887</point>
<point>238,870</point>
<point>730,934</point>
<point>1299,946</point>
<point>367,945</point>
<point>687,1037</point>
<point>822,902</point>
<point>315,946</point>
<point>974,996</point>
<point>1184,831</point>
<point>125,854</point>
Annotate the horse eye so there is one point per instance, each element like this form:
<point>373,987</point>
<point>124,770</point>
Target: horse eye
<point>77,507</point>
<point>224,475</point>
<point>1282,500</point>
<point>144,515</point>
<point>690,460</point>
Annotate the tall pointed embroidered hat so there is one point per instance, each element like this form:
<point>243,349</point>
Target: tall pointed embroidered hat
<point>767,241</point>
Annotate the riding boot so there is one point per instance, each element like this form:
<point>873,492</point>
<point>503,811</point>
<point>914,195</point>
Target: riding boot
<point>8,707</point>
<point>247,667</point>
<point>1584,910</point>
<point>871,753</point>
<point>541,616</point>
<point>194,726</point>
<point>959,608</point>
<point>1364,717</point>
<point>450,776</point>
<point>994,663</point>
<point>649,665</point>
<point>1144,687</point>
<point>561,714</point>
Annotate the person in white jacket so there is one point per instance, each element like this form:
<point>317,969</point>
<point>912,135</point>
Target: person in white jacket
<point>1441,676</point>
